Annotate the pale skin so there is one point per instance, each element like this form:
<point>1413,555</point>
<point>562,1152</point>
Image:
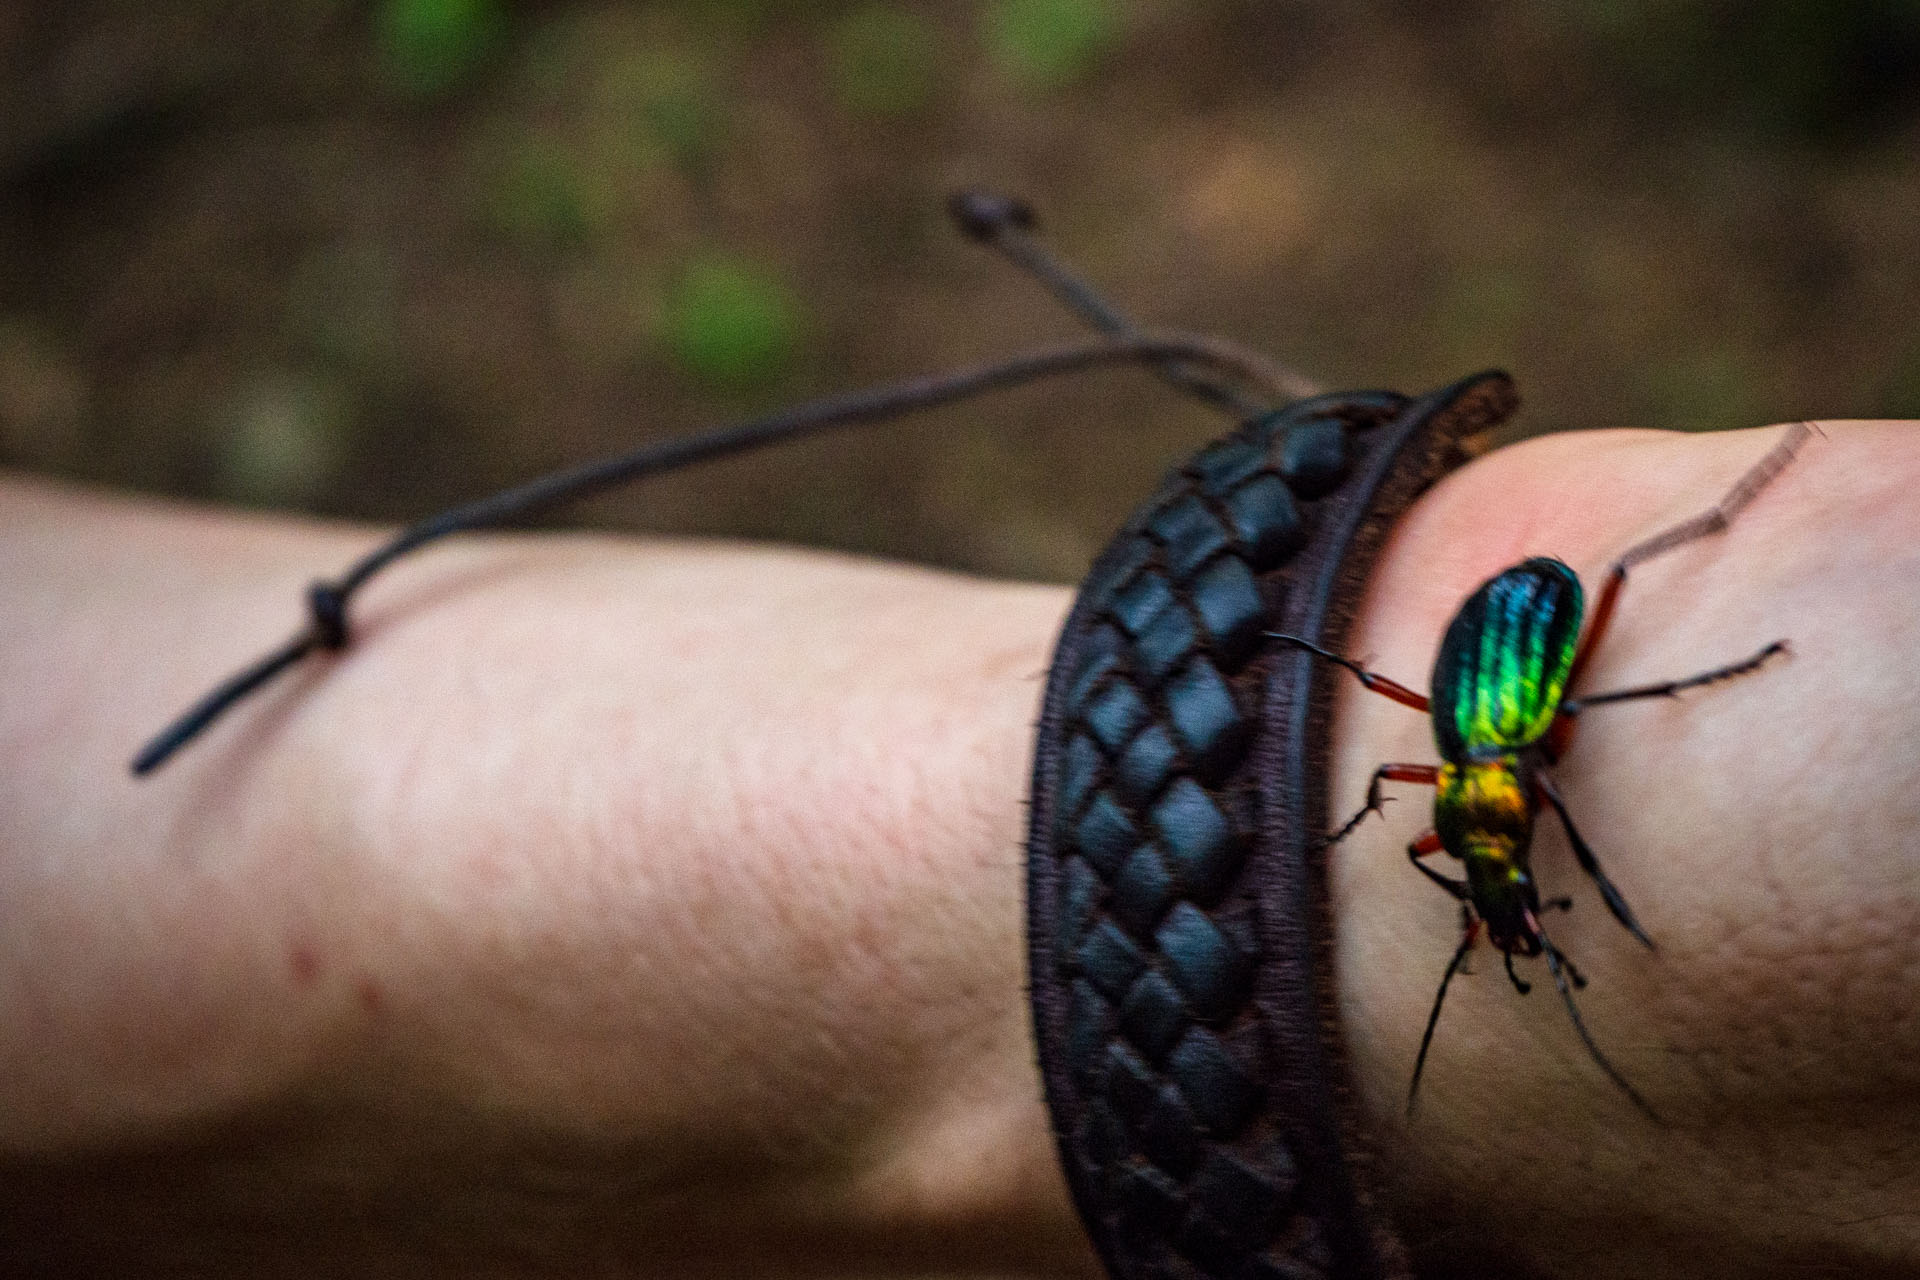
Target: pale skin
<point>617,907</point>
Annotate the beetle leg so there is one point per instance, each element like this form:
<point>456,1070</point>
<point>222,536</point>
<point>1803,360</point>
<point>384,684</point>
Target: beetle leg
<point>1744,491</point>
<point>1519,984</point>
<point>1430,843</point>
<point>1424,774</point>
<point>1669,688</point>
<point>1602,618</point>
<point>1471,931</point>
<point>1560,734</point>
<point>1588,863</point>
<point>1560,967</point>
<point>1372,680</point>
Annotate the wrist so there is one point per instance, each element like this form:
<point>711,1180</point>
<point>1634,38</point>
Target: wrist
<point>701,861</point>
<point>1716,818</point>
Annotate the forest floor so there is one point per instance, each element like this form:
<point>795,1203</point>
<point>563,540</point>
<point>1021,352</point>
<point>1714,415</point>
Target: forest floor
<point>296,253</point>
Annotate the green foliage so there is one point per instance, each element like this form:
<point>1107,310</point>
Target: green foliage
<point>545,198</point>
<point>884,60</point>
<point>674,98</point>
<point>1048,44</point>
<point>428,47</point>
<point>731,324</point>
<point>627,93</point>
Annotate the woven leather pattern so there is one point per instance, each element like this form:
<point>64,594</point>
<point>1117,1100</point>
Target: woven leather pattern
<point>1155,811</point>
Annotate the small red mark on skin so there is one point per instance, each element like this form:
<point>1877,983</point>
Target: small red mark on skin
<point>305,964</point>
<point>369,993</point>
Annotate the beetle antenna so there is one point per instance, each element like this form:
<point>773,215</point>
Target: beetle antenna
<point>1558,965</point>
<point>1471,932</point>
<point>1006,224</point>
<point>326,625</point>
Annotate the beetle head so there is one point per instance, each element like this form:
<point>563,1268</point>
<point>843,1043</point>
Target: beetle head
<point>1506,898</point>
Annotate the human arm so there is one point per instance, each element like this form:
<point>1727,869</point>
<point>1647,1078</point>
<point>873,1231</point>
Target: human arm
<point>656,903</point>
<point>660,904</point>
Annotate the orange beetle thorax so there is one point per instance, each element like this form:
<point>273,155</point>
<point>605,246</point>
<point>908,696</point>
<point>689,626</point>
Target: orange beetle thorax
<point>1483,806</point>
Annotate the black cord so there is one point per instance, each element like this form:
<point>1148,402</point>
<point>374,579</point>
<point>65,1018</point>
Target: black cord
<point>326,627</point>
<point>1006,223</point>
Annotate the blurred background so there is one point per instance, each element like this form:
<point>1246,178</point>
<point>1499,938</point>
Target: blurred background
<point>371,258</point>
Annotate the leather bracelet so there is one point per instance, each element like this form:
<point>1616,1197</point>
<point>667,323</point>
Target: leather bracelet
<point>1178,914</point>
<point>1178,918</point>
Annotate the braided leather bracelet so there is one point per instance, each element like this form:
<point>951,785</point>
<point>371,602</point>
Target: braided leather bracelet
<point>1177,908</point>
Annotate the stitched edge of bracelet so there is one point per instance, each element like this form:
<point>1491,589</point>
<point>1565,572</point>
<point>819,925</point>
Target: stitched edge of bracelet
<point>1179,929</point>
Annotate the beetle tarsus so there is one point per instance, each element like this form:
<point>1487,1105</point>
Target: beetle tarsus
<point>1376,803</point>
<point>1673,688</point>
<point>1520,984</point>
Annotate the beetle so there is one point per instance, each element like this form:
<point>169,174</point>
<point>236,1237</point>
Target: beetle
<point>1502,717</point>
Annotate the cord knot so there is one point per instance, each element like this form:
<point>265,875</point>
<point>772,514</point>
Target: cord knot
<point>327,607</point>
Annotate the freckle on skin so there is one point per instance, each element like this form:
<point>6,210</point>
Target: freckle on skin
<point>304,963</point>
<point>369,993</point>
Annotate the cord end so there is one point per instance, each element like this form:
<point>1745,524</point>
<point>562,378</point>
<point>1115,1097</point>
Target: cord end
<point>210,708</point>
<point>154,754</point>
<point>982,215</point>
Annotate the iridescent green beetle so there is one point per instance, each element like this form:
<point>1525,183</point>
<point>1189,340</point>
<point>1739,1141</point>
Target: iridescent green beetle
<point>1501,718</point>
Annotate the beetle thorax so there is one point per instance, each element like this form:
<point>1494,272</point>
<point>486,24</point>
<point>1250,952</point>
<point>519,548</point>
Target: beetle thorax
<point>1481,810</point>
<point>1485,819</point>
